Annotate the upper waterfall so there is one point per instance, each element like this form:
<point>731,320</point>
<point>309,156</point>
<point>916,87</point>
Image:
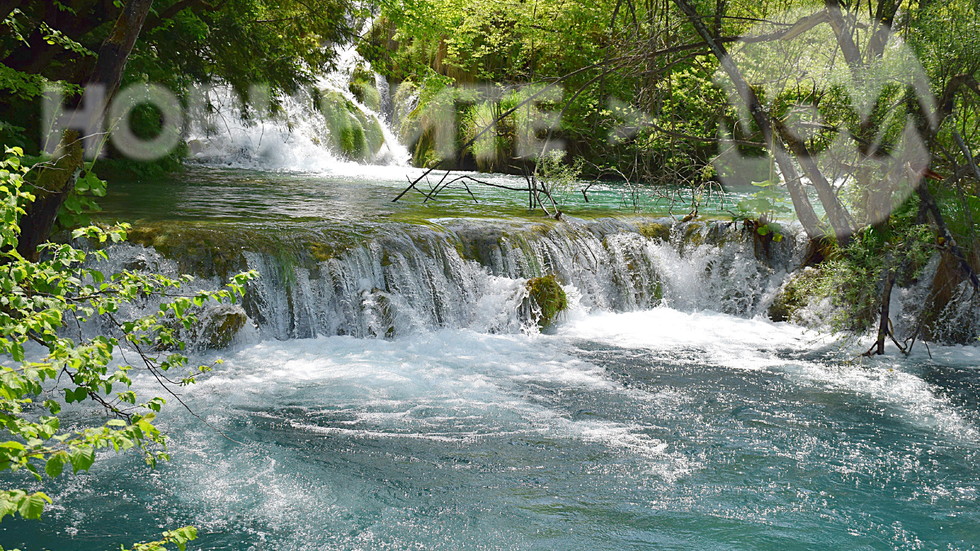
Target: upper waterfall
<point>337,126</point>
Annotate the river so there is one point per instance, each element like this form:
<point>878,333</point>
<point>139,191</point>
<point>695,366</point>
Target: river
<point>663,411</point>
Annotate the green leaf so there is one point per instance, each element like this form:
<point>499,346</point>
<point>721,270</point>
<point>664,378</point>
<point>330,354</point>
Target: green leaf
<point>54,466</point>
<point>11,445</point>
<point>81,458</point>
<point>32,506</point>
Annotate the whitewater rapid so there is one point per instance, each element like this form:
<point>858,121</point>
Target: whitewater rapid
<point>654,428</point>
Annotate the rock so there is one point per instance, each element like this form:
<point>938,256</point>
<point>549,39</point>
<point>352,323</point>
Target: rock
<point>381,313</point>
<point>405,100</point>
<point>220,324</point>
<point>794,295</point>
<point>950,314</point>
<point>654,230</point>
<point>351,132</point>
<point>546,299</point>
<point>363,88</point>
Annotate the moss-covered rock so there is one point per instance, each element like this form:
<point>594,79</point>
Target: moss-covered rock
<point>654,230</point>
<point>794,295</point>
<point>322,252</point>
<point>404,101</point>
<point>363,88</point>
<point>221,324</point>
<point>424,154</point>
<point>424,128</point>
<point>693,234</point>
<point>351,132</point>
<point>546,298</point>
<point>197,249</point>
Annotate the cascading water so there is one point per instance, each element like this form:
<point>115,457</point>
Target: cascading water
<point>408,279</point>
<point>401,279</point>
<point>392,399</point>
<point>300,136</point>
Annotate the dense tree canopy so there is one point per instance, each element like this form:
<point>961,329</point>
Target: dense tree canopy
<point>654,84</point>
<point>238,42</point>
<point>866,111</point>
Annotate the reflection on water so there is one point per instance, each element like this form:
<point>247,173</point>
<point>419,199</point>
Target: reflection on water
<point>234,195</point>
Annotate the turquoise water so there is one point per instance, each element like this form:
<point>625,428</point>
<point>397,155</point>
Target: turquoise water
<point>644,430</point>
<point>664,428</point>
<point>248,196</point>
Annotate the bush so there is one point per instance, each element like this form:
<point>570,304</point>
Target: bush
<point>41,361</point>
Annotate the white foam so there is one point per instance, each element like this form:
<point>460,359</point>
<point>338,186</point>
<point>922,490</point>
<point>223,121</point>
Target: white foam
<point>296,140</point>
<point>757,344</point>
<point>723,339</point>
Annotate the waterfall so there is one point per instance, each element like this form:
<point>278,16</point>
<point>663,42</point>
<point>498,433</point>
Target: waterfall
<point>312,131</point>
<point>405,278</point>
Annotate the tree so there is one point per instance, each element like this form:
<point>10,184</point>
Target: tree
<point>184,42</point>
<point>57,181</point>
<point>865,109</point>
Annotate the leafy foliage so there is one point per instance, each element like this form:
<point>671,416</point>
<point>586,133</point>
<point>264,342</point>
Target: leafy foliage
<point>178,537</point>
<point>763,208</point>
<point>45,369</point>
<point>559,177</point>
<point>852,277</point>
<point>283,45</point>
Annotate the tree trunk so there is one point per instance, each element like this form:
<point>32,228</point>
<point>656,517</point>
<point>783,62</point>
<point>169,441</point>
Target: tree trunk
<point>929,203</point>
<point>56,182</point>
<point>836,213</point>
<point>884,331</point>
<point>801,203</point>
<point>49,194</point>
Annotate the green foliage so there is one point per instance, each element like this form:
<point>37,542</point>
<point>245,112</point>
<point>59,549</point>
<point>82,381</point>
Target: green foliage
<point>19,84</point>
<point>559,176</point>
<point>418,126</point>
<point>43,368</point>
<point>350,131</point>
<point>761,210</point>
<point>852,280</point>
<point>363,88</point>
<point>54,37</point>
<point>852,277</point>
<point>467,41</point>
<point>79,205</point>
<point>492,148</point>
<point>284,44</point>
<point>178,537</point>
